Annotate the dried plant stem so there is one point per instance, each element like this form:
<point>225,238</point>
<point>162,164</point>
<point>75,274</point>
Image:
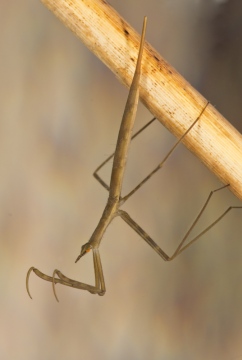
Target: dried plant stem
<point>162,90</point>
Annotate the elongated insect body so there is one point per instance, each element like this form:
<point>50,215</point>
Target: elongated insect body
<point>113,204</point>
<point>115,201</point>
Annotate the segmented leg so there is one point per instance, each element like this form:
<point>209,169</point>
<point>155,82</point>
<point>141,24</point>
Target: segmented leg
<point>181,247</point>
<point>125,198</point>
<point>99,287</point>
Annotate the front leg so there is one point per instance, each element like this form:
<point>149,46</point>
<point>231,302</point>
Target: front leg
<point>99,287</point>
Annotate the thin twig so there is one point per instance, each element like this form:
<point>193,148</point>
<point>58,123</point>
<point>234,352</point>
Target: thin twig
<point>164,92</point>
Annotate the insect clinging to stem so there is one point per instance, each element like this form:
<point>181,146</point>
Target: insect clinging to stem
<point>115,200</point>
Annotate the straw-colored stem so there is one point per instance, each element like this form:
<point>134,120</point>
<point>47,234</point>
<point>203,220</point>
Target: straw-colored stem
<point>162,90</point>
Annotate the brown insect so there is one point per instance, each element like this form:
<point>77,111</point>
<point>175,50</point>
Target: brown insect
<point>115,200</point>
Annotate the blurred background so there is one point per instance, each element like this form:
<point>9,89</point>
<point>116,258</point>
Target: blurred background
<point>60,111</point>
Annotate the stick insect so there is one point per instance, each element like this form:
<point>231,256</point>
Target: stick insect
<point>115,200</point>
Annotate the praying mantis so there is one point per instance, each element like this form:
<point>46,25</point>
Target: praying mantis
<point>115,200</point>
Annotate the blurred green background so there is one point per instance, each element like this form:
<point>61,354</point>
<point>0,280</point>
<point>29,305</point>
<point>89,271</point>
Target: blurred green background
<point>60,111</point>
